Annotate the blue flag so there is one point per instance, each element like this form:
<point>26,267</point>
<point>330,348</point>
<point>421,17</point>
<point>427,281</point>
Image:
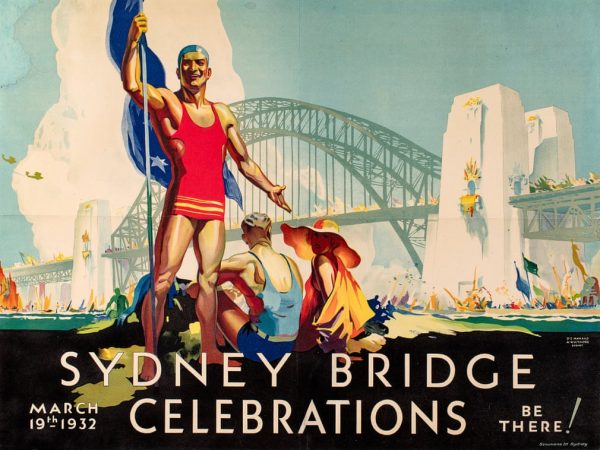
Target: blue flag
<point>522,285</point>
<point>122,13</point>
<point>141,289</point>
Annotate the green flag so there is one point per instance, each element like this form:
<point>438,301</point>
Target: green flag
<point>538,291</point>
<point>530,266</point>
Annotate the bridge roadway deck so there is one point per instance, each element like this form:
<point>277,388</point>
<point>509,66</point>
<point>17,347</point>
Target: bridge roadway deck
<point>562,199</point>
<point>568,214</point>
<point>52,272</point>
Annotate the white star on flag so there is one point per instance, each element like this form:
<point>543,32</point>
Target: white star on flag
<point>157,161</point>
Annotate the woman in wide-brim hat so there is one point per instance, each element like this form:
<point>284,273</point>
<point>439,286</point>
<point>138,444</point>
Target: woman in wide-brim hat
<point>334,308</point>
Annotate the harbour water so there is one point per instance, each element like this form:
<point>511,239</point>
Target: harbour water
<point>573,321</point>
<point>537,321</point>
<point>48,321</point>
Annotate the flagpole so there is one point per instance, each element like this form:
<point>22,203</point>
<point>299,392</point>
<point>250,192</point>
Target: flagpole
<point>521,280</point>
<point>527,275</point>
<point>142,45</point>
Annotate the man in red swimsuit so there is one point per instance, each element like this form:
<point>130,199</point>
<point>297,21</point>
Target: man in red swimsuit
<point>194,133</point>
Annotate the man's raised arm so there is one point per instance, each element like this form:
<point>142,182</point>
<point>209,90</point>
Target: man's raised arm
<point>131,67</point>
<point>246,165</point>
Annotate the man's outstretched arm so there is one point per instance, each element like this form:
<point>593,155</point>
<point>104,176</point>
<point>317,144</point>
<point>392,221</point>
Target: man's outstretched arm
<point>131,67</point>
<point>246,165</point>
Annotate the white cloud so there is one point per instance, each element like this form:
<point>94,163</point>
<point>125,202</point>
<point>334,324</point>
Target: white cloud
<point>78,145</point>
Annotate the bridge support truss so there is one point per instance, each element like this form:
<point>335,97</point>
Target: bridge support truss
<point>55,272</point>
<point>129,242</point>
<point>571,214</point>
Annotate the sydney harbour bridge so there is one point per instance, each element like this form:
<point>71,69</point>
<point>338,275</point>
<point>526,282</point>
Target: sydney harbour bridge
<point>339,165</point>
<point>333,164</point>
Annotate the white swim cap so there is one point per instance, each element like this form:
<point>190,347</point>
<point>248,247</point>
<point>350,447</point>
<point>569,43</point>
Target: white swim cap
<point>257,219</point>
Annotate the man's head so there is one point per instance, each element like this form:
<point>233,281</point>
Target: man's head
<point>193,70</point>
<point>256,227</point>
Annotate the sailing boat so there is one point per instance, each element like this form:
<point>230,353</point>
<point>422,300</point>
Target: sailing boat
<point>47,304</point>
<point>407,291</point>
<point>476,299</point>
<point>91,302</point>
<point>433,304</point>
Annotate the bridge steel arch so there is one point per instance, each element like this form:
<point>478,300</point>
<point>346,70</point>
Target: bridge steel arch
<point>384,162</point>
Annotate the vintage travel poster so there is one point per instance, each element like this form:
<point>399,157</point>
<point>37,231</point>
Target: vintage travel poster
<point>299,224</point>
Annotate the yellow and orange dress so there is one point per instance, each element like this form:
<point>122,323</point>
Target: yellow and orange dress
<point>332,322</point>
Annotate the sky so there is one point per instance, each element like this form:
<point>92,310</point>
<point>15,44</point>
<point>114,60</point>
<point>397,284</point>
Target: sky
<point>401,63</point>
<point>396,63</point>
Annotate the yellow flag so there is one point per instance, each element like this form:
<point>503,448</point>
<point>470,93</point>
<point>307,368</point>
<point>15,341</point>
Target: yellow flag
<point>577,260</point>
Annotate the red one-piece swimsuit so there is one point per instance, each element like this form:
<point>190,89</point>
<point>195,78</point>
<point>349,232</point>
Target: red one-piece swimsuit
<point>200,193</point>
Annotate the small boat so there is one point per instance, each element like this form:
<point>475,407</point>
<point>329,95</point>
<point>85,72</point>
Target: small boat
<point>476,300</point>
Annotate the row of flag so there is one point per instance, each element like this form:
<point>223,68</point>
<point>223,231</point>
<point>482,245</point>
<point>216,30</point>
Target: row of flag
<point>523,284</point>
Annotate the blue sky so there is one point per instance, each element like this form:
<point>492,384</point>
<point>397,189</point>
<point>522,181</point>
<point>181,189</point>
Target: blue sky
<point>397,63</point>
<point>401,63</point>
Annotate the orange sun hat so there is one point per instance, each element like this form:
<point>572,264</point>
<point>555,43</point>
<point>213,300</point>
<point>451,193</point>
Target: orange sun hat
<point>299,239</point>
